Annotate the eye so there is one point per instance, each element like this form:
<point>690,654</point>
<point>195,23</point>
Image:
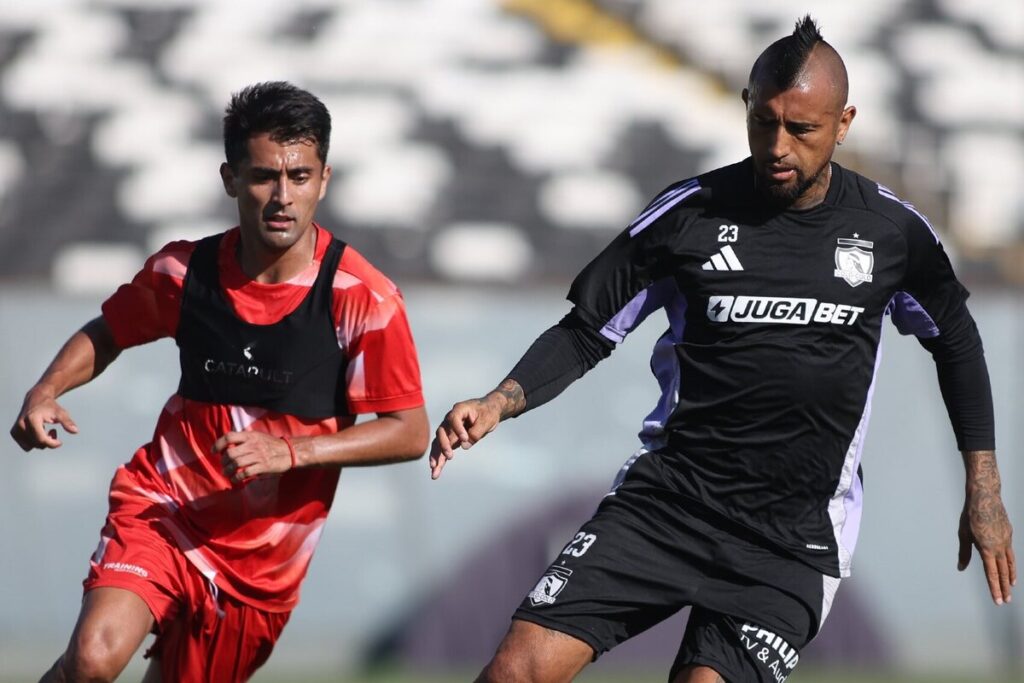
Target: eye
<point>260,176</point>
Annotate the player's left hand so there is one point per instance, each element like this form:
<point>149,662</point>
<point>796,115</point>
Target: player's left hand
<point>985,525</point>
<point>245,455</point>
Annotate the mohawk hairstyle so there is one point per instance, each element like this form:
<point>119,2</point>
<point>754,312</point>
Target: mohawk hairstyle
<point>287,113</point>
<point>782,61</point>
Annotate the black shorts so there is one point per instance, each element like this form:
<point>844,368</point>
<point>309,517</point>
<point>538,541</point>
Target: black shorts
<point>646,553</point>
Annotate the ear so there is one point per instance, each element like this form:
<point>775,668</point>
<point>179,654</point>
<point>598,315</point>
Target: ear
<point>227,176</point>
<point>324,178</point>
<point>845,119</point>
<point>746,97</point>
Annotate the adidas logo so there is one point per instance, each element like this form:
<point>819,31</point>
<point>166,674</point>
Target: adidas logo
<point>725,259</point>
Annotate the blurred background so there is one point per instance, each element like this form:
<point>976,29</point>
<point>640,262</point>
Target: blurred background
<point>483,152</point>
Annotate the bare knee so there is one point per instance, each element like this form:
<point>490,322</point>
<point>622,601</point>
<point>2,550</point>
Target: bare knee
<point>94,656</point>
<point>111,627</point>
<point>515,666</point>
<point>698,674</point>
<point>533,654</point>
<point>499,669</point>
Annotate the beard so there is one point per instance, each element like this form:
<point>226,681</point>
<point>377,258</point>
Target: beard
<point>783,195</point>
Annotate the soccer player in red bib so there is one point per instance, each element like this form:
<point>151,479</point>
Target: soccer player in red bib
<point>285,334</point>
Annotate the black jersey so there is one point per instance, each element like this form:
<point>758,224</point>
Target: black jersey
<point>768,364</point>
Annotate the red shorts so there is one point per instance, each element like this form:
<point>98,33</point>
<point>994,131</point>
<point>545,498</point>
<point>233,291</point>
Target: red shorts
<point>201,636</point>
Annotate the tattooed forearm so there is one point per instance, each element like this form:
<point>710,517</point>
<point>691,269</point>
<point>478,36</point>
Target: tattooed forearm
<point>982,472</point>
<point>988,518</point>
<point>513,399</point>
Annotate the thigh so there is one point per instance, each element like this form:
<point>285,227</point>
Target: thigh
<point>133,586</point>
<point>628,568</point>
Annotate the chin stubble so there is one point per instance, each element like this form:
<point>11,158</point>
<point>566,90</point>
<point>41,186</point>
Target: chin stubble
<point>782,196</point>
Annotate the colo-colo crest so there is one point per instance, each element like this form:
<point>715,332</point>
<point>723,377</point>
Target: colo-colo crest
<point>853,261</point>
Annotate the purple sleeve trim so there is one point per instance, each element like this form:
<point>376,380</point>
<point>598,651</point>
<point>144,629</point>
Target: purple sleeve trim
<point>654,213</point>
<point>888,194</point>
<point>640,306</point>
<point>909,317</point>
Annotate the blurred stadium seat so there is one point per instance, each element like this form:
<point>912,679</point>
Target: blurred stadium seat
<point>548,123</point>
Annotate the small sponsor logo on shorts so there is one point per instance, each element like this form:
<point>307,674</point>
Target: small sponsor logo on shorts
<point>816,546</point>
<point>125,567</point>
<point>549,586</point>
<point>770,650</point>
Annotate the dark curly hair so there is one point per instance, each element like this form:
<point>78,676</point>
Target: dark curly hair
<point>287,113</point>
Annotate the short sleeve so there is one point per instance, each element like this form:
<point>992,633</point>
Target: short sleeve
<point>932,303</point>
<point>633,276</point>
<point>930,292</point>
<point>383,372</point>
<point>149,307</point>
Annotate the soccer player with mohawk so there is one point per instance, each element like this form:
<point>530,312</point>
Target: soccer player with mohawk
<point>744,500</point>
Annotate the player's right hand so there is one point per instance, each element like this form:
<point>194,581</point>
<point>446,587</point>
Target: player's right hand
<point>36,423</point>
<point>465,424</point>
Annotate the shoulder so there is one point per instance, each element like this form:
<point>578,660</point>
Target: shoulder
<point>858,192</point>
<point>356,275</point>
<point>906,215</point>
<point>172,259</point>
<point>365,301</point>
<point>727,183</point>
<point>725,186</point>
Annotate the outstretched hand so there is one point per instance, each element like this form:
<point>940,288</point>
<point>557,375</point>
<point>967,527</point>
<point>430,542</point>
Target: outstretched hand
<point>37,412</point>
<point>465,424</point>
<point>985,525</point>
<point>245,455</point>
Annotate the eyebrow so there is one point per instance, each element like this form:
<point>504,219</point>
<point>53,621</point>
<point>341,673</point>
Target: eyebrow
<point>790,122</point>
<point>270,170</point>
